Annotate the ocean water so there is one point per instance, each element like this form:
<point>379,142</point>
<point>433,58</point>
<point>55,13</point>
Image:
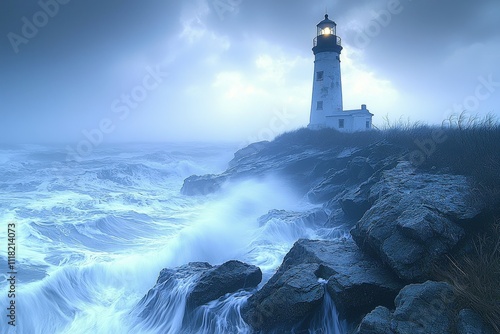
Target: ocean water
<point>93,235</point>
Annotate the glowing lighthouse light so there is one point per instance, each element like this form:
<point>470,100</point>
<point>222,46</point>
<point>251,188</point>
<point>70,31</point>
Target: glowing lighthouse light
<point>327,31</point>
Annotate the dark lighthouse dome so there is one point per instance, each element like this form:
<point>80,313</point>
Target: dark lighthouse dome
<point>326,21</point>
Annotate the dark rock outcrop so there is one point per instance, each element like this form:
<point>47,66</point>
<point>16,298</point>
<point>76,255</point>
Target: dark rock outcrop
<point>348,170</point>
<point>415,219</point>
<point>302,167</point>
<point>359,170</point>
<point>286,299</point>
<point>202,185</point>
<point>377,321</point>
<point>357,198</point>
<point>355,201</point>
<point>355,282</point>
<point>319,171</point>
<point>247,152</point>
<point>204,281</point>
<point>405,220</point>
<point>229,277</point>
<point>425,308</point>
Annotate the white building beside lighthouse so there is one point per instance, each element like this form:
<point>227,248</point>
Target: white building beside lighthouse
<point>326,104</point>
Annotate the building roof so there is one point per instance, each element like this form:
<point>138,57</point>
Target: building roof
<point>348,113</point>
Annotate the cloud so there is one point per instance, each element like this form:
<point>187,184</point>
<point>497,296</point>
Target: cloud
<point>229,74</point>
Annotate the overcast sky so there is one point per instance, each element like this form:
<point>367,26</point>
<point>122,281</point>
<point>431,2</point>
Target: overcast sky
<point>234,70</point>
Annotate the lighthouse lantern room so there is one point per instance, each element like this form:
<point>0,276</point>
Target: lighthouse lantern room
<point>326,103</point>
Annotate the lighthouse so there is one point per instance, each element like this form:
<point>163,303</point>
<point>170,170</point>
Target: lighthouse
<point>326,103</point>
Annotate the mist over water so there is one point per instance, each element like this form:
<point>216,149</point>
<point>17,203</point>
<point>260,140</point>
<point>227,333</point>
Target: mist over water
<point>92,237</point>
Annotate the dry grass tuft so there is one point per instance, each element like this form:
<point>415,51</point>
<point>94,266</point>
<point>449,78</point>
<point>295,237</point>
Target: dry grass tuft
<point>476,276</point>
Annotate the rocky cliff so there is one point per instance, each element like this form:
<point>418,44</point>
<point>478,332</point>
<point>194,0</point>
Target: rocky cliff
<point>404,221</point>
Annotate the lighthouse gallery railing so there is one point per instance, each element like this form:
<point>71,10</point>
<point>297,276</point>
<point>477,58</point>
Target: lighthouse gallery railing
<point>315,41</point>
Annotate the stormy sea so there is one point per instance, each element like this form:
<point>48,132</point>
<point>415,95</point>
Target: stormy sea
<point>91,237</point>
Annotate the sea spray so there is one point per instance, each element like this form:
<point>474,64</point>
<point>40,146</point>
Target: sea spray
<point>162,310</point>
<point>220,316</point>
<point>94,235</point>
<point>327,321</point>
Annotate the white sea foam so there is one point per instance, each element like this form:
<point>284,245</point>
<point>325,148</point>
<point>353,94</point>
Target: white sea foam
<point>93,236</point>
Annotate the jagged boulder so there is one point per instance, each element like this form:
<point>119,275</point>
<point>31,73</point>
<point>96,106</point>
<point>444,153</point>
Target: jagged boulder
<point>425,308</point>
<point>202,185</point>
<point>358,198</point>
<point>377,321</point>
<point>355,201</point>
<point>203,282</point>
<point>359,169</point>
<point>229,277</point>
<point>416,219</point>
<point>286,299</point>
<point>355,282</point>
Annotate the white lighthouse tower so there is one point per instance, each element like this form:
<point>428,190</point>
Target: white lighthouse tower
<point>326,103</point>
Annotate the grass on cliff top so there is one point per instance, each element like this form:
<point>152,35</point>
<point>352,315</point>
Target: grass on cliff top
<point>463,144</point>
<point>328,138</point>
